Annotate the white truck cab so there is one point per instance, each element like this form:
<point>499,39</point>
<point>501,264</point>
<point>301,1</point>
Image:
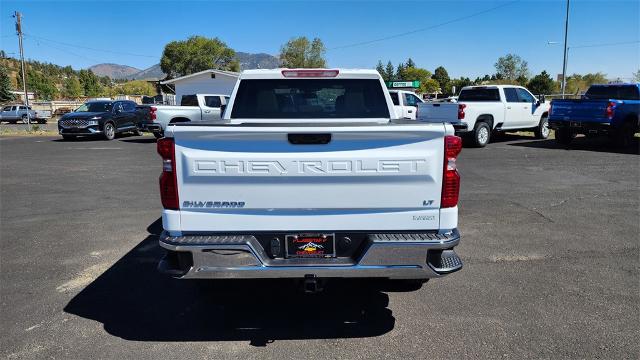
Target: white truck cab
<point>483,110</point>
<point>405,103</point>
<point>196,107</point>
<point>309,175</point>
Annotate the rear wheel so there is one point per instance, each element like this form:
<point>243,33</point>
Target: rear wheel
<point>137,132</point>
<point>24,119</point>
<point>542,131</point>
<point>481,134</point>
<point>109,131</point>
<point>158,134</point>
<point>564,136</point>
<point>623,136</point>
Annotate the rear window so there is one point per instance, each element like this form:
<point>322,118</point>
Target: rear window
<point>189,100</point>
<point>394,98</point>
<point>212,101</point>
<point>479,94</point>
<point>309,99</point>
<point>95,107</point>
<point>618,92</point>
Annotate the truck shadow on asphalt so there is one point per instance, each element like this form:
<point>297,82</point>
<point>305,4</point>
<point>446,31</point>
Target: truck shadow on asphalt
<point>135,302</point>
<point>601,144</point>
<point>141,140</point>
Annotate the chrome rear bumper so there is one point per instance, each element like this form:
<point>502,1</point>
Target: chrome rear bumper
<point>394,256</point>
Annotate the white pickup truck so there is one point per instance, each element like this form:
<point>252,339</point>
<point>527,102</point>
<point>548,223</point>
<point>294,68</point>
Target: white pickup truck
<point>310,176</point>
<point>483,110</point>
<point>405,103</point>
<point>198,107</point>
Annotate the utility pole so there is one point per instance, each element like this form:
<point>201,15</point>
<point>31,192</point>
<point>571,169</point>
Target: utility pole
<point>566,49</point>
<point>18,17</point>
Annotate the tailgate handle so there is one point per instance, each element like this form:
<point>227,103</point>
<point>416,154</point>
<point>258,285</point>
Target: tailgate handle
<point>309,139</point>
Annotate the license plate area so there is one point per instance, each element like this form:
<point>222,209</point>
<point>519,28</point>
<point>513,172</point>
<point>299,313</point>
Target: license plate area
<point>310,245</point>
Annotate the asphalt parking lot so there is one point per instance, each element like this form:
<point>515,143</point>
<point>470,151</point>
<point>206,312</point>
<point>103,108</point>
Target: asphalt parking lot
<point>550,245</point>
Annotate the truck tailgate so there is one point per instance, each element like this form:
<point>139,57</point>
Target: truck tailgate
<point>438,112</point>
<point>366,177</point>
<point>579,110</point>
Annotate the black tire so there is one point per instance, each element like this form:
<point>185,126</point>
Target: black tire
<point>158,134</point>
<point>481,134</point>
<point>564,136</point>
<point>24,119</point>
<point>137,132</point>
<point>68,137</point>
<point>109,131</point>
<point>623,136</point>
<point>542,131</point>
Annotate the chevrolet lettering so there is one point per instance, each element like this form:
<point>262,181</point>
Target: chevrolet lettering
<point>305,167</point>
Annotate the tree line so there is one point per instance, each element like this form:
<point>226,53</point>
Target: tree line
<point>198,53</point>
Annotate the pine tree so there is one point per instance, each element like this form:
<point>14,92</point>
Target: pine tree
<point>381,71</point>
<point>5,85</point>
<point>389,71</point>
<point>400,72</point>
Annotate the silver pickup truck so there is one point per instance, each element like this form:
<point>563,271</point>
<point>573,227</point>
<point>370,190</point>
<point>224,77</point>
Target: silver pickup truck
<point>197,107</point>
<point>15,113</point>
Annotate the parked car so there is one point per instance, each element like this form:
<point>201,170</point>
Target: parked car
<point>310,176</point>
<point>612,109</point>
<point>198,107</point>
<point>484,110</point>
<point>104,118</point>
<point>14,113</point>
<point>405,103</point>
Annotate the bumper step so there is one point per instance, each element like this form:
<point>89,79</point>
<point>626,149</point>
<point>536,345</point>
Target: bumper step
<point>413,237</point>
<point>209,240</point>
<point>445,261</point>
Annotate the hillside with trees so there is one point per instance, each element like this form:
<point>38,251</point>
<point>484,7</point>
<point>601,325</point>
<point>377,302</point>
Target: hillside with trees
<point>53,82</point>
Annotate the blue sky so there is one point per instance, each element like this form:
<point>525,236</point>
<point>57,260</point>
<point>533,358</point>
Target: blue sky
<point>468,47</point>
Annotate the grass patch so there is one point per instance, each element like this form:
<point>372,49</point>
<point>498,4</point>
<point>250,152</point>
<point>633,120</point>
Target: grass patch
<point>27,130</point>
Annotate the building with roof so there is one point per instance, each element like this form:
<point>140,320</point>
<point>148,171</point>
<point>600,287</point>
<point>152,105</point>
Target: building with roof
<point>204,82</point>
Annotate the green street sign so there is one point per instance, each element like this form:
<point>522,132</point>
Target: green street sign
<point>403,84</point>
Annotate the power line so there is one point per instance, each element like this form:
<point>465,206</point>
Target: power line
<point>66,51</point>
<point>88,48</point>
<point>425,28</point>
<point>605,44</point>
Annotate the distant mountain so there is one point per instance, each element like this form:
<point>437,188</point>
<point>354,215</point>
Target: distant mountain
<point>257,61</point>
<point>114,71</point>
<point>117,72</point>
<point>151,73</point>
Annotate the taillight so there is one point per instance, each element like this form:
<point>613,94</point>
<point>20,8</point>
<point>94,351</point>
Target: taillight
<point>152,112</point>
<point>304,73</point>
<point>168,182</point>
<point>461,113</point>
<point>450,176</point>
<point>611,110</point>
